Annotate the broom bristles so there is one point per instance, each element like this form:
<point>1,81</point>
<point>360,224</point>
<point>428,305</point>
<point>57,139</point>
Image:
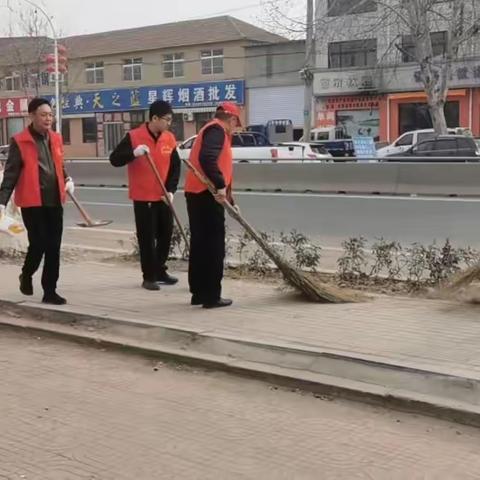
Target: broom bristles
<point>465,278</point>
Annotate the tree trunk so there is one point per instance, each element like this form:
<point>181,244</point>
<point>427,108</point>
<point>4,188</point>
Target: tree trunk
<point>439,121</point>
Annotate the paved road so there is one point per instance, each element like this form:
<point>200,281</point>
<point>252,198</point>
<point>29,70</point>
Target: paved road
<point>328,219</point>
<point>71,412</point>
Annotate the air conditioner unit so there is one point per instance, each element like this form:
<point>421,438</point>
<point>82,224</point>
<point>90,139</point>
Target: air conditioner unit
<point>188,117</point>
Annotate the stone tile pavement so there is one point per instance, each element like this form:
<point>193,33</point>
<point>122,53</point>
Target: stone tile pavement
<point>70,412</point>
<point>440,335</point>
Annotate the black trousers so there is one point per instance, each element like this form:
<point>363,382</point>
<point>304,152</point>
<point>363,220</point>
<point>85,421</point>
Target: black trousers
<point>44,227</point>
<point>207,246</point>
<point>154,223</point>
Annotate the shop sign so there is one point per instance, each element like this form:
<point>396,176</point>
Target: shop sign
<point>179,96</point>
<point>13,107</point>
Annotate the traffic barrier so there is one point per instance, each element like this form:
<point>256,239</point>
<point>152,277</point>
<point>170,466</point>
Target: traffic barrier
<point>461,179</point>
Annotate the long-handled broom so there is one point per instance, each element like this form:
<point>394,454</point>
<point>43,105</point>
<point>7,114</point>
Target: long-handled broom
<point>309,287</point>
<point>169,203</point>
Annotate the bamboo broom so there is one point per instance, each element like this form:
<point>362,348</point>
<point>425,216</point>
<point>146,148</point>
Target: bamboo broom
<point>312,289</point>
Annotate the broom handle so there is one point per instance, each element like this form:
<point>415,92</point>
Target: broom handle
<point>167,199</point>
<point>82,211</point>
<point>234,213</point>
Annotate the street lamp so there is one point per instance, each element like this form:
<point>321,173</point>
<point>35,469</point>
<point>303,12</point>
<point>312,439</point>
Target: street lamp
<point>58,107</point>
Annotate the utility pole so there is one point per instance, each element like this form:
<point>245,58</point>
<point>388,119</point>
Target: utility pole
<point>307,72</point>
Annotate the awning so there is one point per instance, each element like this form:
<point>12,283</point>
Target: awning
<point>423,95</point>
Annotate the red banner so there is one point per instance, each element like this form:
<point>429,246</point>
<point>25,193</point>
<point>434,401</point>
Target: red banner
<point>13,107</point>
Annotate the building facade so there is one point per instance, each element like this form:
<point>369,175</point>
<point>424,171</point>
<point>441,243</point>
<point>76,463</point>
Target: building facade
<point>274,87</point>
<point>113,77</point>
<point>366,78</point>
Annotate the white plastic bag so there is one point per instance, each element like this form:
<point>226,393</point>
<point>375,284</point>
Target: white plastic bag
<point>11,226</point>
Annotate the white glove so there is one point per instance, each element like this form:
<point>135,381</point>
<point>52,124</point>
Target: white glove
<point>221,195</point>
<point>2,211</point>
<point>170,196</point>
<point>141,150</point>
<point>69,186</point>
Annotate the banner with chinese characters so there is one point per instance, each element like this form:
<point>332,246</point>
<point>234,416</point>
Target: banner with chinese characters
<point>13,107</point>
<point>179,96</point>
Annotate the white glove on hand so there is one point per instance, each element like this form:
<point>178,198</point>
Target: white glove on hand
<point>221,195</point>
<point>69,186</point>
<point>141,150</point>
<point>170,196</point>
<point>2,211</point>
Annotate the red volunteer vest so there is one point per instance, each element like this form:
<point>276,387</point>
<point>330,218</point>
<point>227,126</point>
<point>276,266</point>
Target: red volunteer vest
<point>142,183</point>
<point>27,190</point>
<point>225,161</point>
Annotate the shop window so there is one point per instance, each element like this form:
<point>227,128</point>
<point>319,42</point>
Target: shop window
<point>14,126</point>
<point>358,123</point>
<point>201,119</point>
<point>177,126</point>
<point>416,116</point>
<point>137,118</point>
<point>89,129</point>
<point>338,8</point>
<point>355,53</point>
<point>3,140</point>
<point>439,45</point>
<point>66,131</point>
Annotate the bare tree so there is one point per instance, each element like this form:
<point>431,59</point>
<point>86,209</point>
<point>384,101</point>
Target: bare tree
<point>27,48</point>
<point>390,21</point>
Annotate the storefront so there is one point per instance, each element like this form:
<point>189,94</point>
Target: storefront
<point>13,113</point>
<point>359,115</point>
<point>97,120</point>
<point>385,102</point>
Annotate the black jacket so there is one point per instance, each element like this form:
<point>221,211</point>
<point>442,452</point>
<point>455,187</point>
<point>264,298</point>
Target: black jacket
<point>47,172</point>
<point>123,155</point>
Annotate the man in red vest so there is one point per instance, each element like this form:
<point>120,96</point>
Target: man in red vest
<point>212,155</point>
<point>35,170</point>
<point>153,218</point>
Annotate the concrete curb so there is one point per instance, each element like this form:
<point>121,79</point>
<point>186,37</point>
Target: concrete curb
<point>451,395</point>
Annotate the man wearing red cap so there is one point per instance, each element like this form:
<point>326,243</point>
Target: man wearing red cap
<point>212,155</point>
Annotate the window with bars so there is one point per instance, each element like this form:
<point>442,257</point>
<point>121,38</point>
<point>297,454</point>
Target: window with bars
<point>173,65</point>
<point>132,69</point>
<point>439,45</point>
<point>95,72</point>
<point>212,61</point>
<point>354,53</point>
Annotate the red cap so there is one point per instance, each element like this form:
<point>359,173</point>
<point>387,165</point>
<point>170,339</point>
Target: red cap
<point>232,109</point>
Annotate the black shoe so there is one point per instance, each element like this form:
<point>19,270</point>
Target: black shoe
<point>152,286</point>
<point>26,286</point>
<point>221,302</point>
<point>166,279</point>
<point>54,299</point>
<point>196,300</point>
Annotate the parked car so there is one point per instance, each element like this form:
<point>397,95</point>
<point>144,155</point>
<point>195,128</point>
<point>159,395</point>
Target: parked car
<point>407,141</point>
<point>251,147</point>
<point>446,148</point>
<point>335,139</point>
<point>310,151</point>
<point>4,152</point>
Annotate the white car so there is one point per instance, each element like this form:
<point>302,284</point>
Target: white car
<point>309,151</point>
<point>408,140</point>
<point>252,147</point>
<point>4,152</point>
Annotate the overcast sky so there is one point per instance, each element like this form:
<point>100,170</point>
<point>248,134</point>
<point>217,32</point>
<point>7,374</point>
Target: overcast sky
<point>89,16</point>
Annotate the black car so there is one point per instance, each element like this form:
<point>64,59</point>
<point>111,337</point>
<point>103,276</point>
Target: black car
<point>441,148</point>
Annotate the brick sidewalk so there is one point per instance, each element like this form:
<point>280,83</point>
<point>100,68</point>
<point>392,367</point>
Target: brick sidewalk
<point>76,413</point>
<point>439,335</point>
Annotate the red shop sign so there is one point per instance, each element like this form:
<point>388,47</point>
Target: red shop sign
<point>13,107</point>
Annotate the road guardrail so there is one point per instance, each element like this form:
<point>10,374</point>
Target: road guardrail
<point>388,178</point>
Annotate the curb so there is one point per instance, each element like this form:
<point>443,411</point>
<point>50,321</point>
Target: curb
<point>320,372</point>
